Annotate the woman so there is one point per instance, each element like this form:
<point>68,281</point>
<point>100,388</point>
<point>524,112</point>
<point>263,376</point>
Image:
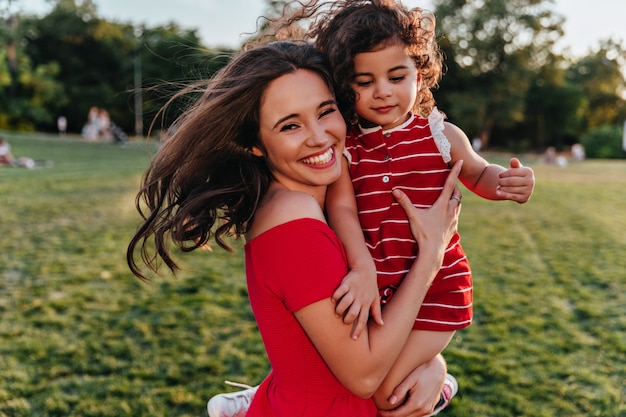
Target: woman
<point>254,157</point>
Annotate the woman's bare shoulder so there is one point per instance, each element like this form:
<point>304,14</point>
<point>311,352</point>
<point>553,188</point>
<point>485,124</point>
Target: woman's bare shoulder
<point>282,206</point>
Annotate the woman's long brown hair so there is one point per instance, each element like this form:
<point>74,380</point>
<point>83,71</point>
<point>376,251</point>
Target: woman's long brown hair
<point>204,183</point>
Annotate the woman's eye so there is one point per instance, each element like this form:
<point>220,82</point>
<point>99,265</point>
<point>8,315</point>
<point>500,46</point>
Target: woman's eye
<point>290,126</point>
<point>328,111</point>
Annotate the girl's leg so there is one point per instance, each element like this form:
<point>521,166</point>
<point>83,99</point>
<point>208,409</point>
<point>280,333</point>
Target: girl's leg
<point>421,347</point>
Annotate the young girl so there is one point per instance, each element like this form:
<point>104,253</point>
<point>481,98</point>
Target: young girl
<point>385,62</point>
<point>254,157</point>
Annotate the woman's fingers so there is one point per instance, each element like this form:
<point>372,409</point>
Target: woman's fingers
<point>450,190</point>
<point>441,219</point>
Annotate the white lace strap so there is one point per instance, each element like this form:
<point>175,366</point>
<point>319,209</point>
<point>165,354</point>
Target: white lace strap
<point>348,155</point>
<point>435,120</point>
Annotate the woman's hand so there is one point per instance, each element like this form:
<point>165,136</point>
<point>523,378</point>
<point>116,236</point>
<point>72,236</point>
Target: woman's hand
<point>421,388</point>
<point>435,226</point>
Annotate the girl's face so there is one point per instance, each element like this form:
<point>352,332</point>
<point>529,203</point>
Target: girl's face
<point>386,84</point>
<point>302,132</point>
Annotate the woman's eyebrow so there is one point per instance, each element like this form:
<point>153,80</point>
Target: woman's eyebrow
<point>289,116</point>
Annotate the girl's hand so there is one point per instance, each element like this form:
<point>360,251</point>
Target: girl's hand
<point>516,183</point>
<point>357,297</point>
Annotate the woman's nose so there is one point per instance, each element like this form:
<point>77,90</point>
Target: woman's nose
<point>317,135</point>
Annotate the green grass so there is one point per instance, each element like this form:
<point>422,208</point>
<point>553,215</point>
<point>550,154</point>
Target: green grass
<point>80,336</point>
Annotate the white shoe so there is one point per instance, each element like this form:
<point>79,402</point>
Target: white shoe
<point>449,390</point>
<point>234,404</point>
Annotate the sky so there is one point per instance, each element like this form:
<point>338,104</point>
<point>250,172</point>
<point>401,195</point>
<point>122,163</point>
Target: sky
<point>226,22</point>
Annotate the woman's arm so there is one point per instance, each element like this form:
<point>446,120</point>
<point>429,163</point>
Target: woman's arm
<point>361,365</point>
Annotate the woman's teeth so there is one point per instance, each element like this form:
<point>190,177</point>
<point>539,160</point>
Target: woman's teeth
<point>320,159</point>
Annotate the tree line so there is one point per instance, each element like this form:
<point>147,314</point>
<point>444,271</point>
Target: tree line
<point>69,60</point>
<point>504,83</point>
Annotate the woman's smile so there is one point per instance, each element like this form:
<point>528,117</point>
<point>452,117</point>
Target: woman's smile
<point>323,158</point>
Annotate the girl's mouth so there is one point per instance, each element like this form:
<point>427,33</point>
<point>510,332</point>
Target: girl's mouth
<point>385,109</point>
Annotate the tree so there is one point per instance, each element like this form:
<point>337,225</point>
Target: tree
<point>89,53</point>
<point>97,62</point>
<point>172,57</point>
<point>27,91</point>
<point>600,76</point>
<point>553,110</point>
<point>494,50</point>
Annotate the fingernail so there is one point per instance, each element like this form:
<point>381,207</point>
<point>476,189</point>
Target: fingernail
<point>393,399</point>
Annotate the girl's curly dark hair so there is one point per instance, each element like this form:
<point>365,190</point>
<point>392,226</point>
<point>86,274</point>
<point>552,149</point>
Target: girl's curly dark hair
<point>341,29</point>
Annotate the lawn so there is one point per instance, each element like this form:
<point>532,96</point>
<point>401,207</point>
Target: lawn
<point>80,336</point>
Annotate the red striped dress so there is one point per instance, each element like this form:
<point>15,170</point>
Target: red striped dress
<point>413,157</point>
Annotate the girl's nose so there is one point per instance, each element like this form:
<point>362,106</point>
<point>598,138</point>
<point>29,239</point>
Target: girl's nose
<point>383,89</point>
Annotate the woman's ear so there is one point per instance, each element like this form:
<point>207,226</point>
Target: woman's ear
<point>256,151</point>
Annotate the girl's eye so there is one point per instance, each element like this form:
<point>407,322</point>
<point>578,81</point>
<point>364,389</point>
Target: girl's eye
<point>397,79</point>
<point>363,83</point>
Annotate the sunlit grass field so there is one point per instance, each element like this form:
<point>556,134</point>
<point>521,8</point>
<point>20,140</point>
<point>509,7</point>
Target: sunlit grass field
<point>80,336</point>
